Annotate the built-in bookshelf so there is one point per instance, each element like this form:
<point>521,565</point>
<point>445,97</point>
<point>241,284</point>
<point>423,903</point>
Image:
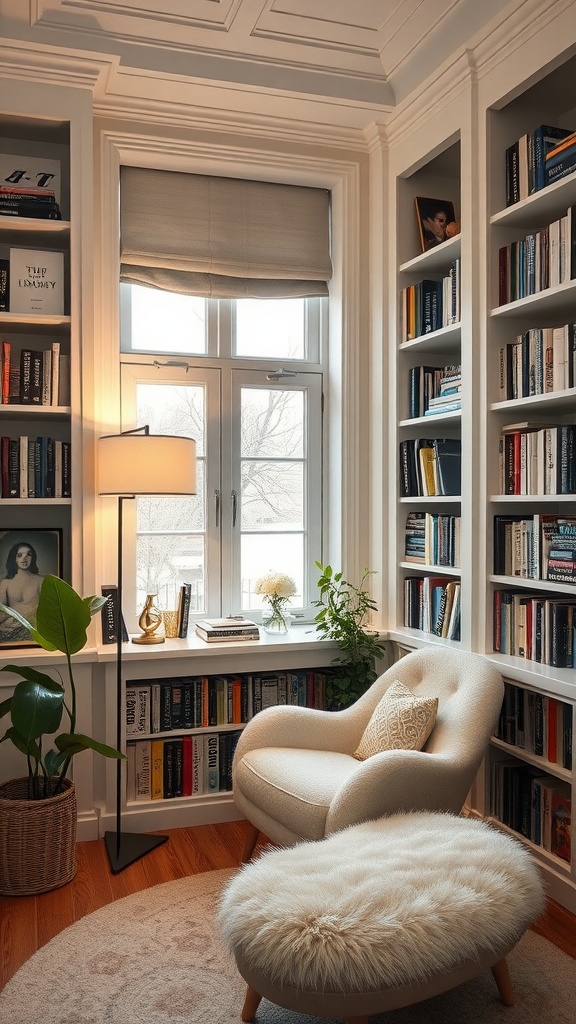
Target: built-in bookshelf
<point>36,344</point>
<point>530,483</point>
<point>429,397</point>
<point>183,710</point>
<point>181,732</point>
<point>504,539</point>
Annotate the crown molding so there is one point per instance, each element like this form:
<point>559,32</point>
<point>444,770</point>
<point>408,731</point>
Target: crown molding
<point>507,33</point>
<point>433,96</point>
<point>270,127</point>
<point>54,66</point>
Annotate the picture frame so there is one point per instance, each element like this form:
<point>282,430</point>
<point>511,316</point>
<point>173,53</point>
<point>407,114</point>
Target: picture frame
<point>20,584</point>
<point>433,216</point>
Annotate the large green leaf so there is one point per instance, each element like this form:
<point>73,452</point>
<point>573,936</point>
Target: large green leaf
<point>31,674</point>
<point>62,616</point>
<point>37,708</point>
<point>95,603</point>
<point>74,743</point>
<point>34,634</point>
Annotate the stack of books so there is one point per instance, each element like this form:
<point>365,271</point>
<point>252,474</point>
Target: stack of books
<point>28,202</point>
<point>222,630</point>
<point>561,159</point>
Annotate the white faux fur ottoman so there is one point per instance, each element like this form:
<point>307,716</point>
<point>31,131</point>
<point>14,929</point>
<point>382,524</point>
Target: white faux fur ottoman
<point>380,915</point>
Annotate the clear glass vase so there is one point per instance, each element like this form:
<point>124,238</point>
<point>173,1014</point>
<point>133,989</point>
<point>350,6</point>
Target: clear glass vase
<point>277,620</point>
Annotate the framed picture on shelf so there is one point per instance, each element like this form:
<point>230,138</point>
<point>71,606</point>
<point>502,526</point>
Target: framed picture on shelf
<point>436,221</point>
<point>26,557</point>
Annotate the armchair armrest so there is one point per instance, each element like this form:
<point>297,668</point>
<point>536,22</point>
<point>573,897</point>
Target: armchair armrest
<point>306,728</point>
<point>398,780</point>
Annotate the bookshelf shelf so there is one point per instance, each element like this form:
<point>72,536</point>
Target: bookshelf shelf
<point>424,421</point>
<point>445,570</point>
<point>435,260</point>
<point>539,762</point>
<point>447,339</point>
<point>431,499</point>
<point>558,300</point>
<point>560,401</point>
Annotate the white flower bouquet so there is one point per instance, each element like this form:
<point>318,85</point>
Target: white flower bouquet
<point>276,588</point>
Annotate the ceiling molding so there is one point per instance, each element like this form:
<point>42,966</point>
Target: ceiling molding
<point>20,60</point>
<point>433,96</point>
<point>503,36</point>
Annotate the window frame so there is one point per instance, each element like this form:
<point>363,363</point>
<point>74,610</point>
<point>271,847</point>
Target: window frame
<point>222,547</point>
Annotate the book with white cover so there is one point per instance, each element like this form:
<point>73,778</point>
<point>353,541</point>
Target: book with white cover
<point>37,281</point>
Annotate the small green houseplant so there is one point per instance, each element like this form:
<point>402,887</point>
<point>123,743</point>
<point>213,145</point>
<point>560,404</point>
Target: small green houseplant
<point>38,703</point>
<point>342,617</point>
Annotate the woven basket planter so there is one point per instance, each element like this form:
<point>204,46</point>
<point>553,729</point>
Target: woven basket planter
<point>37,840</point>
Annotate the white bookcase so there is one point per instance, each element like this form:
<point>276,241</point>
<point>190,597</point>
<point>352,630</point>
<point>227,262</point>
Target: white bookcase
<point>34,139</point>
<point>459,154</point>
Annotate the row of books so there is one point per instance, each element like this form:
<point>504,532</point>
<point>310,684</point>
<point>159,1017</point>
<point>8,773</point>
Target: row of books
<point>192,702</point>
<point>537,547</point>
<point>537,459</point>
<point>534,804</point>
<point>535,626</point>
<point>432,539</point>
<point>16,201</point>
<point>542,259</point>
<point>433,389</point>
<point>538,362</point>
<point>430,466</point>
<point>35,467</point>
<point>431,305</point>
<point>537,723</point>
<point>165,769</point>
<point>35,377</point>
<point>432,604</point>
<point>526,167</point>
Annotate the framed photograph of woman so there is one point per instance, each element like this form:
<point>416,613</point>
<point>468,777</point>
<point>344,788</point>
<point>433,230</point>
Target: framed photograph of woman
<point>26,557</point>
<point>434,216</point>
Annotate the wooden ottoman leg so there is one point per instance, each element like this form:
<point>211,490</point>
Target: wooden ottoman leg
<point>250,844</point>
<point>503,982</point>
<point>251,1003</point>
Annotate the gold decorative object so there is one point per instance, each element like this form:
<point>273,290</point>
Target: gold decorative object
<point>149,621</point>
<point>170,620</point>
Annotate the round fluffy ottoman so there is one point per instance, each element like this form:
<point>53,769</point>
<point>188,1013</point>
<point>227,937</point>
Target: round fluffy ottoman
<point>380,915</point>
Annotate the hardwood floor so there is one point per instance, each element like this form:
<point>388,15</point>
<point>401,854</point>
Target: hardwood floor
<point>28,922</point>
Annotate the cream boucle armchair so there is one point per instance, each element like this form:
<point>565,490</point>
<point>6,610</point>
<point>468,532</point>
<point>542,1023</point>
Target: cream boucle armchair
<point>295,778</point>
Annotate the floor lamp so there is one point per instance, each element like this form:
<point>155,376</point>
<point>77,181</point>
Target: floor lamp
<point>134,463</point>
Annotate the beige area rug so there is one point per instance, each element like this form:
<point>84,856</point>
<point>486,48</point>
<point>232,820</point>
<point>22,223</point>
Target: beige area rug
<point>156,957</point>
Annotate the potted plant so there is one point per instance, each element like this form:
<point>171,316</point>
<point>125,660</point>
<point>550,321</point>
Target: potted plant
<point>38,812</point>
<point>344,610</point>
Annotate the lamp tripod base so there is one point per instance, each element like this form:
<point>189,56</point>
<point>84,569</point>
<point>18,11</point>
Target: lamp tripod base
<point>123,850</point>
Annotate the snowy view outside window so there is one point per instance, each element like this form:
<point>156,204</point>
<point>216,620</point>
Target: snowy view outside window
<point>258,445</point>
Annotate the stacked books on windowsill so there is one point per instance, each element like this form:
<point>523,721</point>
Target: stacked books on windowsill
<point>232,628</point>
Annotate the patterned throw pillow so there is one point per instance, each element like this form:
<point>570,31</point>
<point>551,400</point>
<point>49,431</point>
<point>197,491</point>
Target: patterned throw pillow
<point>400,721</point>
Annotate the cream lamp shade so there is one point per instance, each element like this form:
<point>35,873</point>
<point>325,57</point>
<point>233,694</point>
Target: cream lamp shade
<point>133,463</point>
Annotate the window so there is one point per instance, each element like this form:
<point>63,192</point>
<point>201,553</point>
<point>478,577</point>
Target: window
<point>244,378</point>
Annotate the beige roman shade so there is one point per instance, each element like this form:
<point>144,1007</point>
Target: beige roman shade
<point>223,237</point>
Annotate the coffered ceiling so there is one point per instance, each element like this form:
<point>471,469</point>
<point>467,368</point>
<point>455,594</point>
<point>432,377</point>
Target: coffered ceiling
<point>368,53</point>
